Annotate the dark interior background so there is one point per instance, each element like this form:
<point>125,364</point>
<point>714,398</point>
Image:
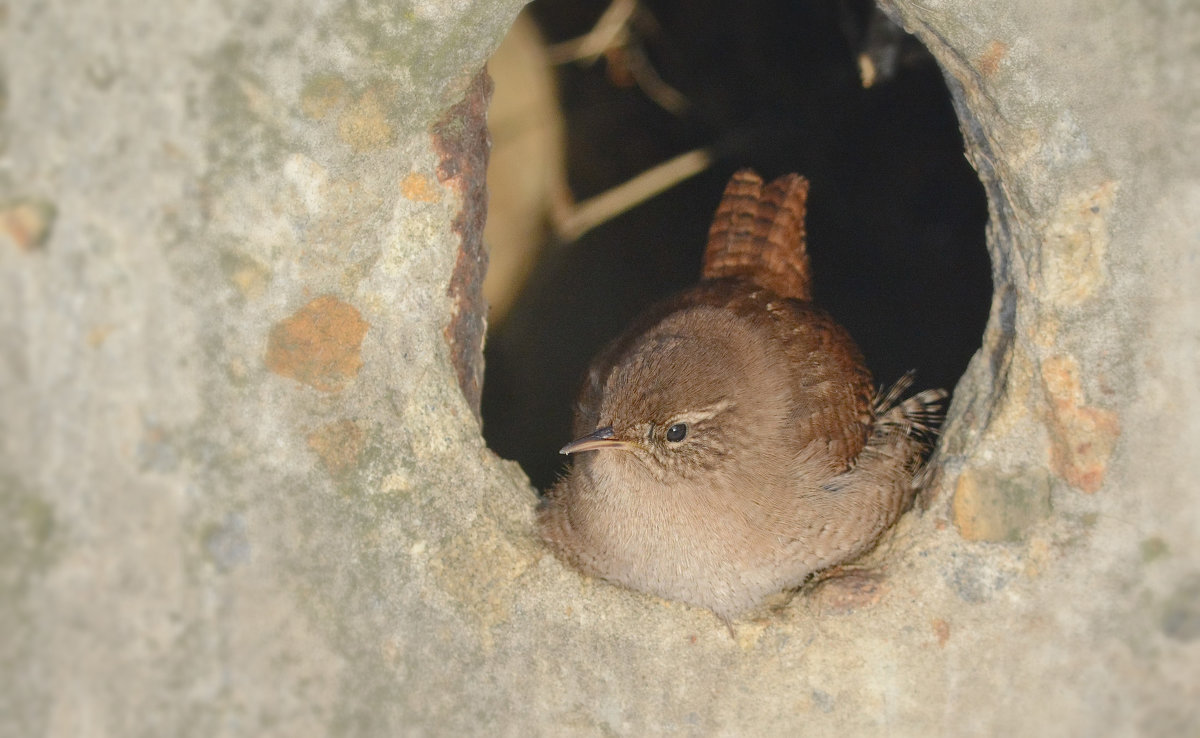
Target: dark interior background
<point>896,215</point>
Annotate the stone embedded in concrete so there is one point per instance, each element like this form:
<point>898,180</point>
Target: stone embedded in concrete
<point>1082,436</point>
<point>994,506</point>
<point>1181,611</point>
<point>319,345</point>
<point>26,223</point>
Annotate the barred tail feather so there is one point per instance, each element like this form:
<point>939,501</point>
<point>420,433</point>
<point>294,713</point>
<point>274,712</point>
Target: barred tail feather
<point>920,415</point>
<point>900,443</point>
<point>758,234</point>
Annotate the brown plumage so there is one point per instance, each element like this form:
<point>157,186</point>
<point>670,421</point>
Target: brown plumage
<point>735,444</point>
<point>757,233</point>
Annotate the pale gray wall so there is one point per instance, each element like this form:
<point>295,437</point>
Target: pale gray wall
<point>231,507</point>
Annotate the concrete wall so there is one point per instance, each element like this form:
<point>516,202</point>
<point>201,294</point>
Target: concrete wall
<point>242,487</point>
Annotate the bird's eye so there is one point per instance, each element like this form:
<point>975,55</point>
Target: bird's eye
<point>677,432</point>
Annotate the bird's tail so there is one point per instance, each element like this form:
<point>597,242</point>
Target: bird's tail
<point>918,416</point>
<point>903,437</point>
<point>757,234</point>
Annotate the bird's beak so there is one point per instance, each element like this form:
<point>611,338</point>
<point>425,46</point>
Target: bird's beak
<point>602,438</point>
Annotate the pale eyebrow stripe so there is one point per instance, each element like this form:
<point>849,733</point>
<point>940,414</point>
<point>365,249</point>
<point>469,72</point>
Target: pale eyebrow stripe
<point>702,414</point>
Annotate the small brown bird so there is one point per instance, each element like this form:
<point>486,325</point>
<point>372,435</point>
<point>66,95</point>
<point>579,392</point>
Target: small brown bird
<point>735,441</point>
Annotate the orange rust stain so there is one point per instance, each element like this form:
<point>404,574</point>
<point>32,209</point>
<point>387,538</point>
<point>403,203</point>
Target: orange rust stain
<point>941,630</point>
<point>26,224</point>
<point>419,188</point>
<point>338,445</point>
<point>319,345</point>
<point>989,61</point>
<point>1082,436</point>
<point>462,141</point>
<point>965,509</point>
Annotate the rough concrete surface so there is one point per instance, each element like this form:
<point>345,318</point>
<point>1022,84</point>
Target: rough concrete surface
<point>243,494</point>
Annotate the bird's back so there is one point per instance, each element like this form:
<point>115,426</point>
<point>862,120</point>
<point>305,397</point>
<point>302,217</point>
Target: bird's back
<point>757,245</point>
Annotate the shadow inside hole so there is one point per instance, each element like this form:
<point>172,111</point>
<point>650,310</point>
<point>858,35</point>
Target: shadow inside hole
<point>896,215</point>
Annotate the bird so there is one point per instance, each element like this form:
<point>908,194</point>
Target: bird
<point>731,443</point>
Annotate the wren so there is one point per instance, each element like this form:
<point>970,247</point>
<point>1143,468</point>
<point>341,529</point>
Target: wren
<point>731,442</point>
